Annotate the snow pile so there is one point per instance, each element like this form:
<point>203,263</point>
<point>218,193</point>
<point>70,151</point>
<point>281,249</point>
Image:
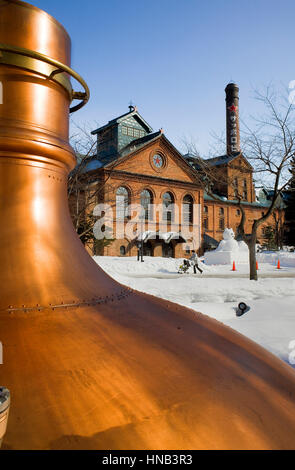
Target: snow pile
<point>286,258</point>
<point>228,250</point>
<point>193,292</point>
<point>152,265</point>
<point>271,318</point>
<point>130,265</point>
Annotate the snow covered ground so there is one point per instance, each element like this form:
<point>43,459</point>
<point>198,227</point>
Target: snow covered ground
<point>271,318</point>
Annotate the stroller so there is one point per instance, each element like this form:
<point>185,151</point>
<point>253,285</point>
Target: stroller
<point>184,267</point>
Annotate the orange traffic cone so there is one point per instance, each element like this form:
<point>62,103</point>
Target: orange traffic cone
<point>234,266</point>
<point>279,265</point>
<point>257,265</point>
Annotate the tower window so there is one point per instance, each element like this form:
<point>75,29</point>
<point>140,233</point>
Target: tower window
<point>132,132</point>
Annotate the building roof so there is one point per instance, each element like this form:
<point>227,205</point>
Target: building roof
<point>134,145</point>
<point>140,142</point>
<point>210,241</point>
<point>285,195</point>
<point>221,160</point>
<point>92,164</point>
<point>133,112</point>
<point>191,156</point>
<point>199,163</point>
<point>224,200</point>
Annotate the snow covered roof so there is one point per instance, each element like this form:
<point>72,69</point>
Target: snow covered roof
<point>259,203</point>
<point>148,235</point>
<point>166,237</point>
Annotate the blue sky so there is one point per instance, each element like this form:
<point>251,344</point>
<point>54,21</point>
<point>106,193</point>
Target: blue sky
<point>173,59</point>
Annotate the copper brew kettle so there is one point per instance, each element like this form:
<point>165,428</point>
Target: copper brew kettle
<point>91,364</point>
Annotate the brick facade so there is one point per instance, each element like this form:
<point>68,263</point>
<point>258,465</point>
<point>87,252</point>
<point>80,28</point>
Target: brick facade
<point>217,216</point>
<point>149,164</point>
<point>137,173</point>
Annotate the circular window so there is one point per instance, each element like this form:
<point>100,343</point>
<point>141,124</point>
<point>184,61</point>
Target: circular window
<point>157,161</point>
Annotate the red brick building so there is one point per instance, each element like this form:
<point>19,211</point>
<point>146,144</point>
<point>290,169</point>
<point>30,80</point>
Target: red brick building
<point>154,176</point>
<point>170,213</point>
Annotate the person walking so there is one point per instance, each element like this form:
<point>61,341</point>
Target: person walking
<point>195,262</point>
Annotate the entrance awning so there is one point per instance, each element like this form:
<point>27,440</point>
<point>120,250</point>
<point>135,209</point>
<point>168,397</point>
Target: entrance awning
<point>169,236</point>
<point>148,235</point>
<point>165,237</point>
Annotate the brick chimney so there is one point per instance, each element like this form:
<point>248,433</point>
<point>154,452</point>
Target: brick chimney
<point>232,119</point>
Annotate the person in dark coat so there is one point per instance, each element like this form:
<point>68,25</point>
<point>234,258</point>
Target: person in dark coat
<point>195,262</point>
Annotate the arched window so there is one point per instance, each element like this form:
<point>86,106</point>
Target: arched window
<point>221,224</point>
<point>146,200</point>
<point>122,203</point>
<point>221,211</point>
<point>187,208</point>
<point>168,212</point>
<point>122,250</point>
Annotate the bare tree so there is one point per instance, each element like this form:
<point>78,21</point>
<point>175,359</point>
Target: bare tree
<point>269,146</point>
<point>80,196</point>
<point>87,188</point>
<point>279,229</point>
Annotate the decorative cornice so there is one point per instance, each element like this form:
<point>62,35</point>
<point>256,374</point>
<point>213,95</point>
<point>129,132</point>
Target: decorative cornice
<point>151,178</point>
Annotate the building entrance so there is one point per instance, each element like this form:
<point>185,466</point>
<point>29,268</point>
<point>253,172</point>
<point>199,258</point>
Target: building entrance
<point>167,250</point>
